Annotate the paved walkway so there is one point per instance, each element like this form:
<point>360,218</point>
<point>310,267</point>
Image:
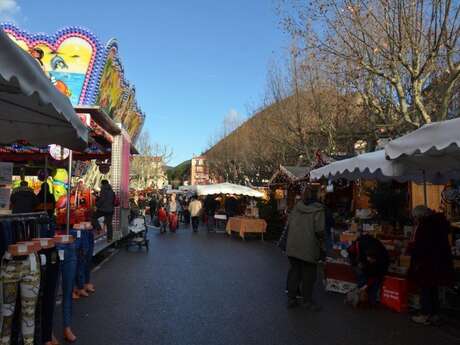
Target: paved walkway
<point>210,289</point>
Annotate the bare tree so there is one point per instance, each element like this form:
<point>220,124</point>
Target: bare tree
<point>148,168</point>
<point>400,56</point>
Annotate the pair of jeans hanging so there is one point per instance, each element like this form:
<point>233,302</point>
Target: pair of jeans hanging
<point>19,275</point>
<point>6,236</point>
<point>89,256</point>
<point>68,270</point>
<point>44,316</point>
<point>81,248</point>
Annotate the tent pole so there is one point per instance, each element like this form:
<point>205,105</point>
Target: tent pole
<point>425,197</point>
<point>69,190</point>
<point>45,196</point>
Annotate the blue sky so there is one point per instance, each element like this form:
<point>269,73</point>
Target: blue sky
<point>192,61</point>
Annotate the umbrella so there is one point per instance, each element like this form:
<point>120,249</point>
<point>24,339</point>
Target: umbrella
<point>227,188</point>
<point>31,108</point>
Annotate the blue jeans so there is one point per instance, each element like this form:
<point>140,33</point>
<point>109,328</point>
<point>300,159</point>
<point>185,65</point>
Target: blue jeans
<point>373,289</point>
<point>47,230</point>
<point>68,273</point>
<point>81,248</point>
<point>89,256</point>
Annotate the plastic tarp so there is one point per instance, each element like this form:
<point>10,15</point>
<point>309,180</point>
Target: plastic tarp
<point>375,166</point>
<point>227,188</point>
<point>31,108</point>
<point>435,139</point>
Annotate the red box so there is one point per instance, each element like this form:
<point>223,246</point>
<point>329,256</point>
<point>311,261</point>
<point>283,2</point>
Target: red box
<point>339,272</point>
<point>394,293</point>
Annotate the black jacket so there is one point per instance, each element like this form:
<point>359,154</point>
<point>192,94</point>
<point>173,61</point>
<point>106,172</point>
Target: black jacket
<point>106,201</point>
<point>23,200</point>
<point>359,251</point>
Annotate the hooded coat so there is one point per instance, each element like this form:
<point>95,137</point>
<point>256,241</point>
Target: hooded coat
<point>306,228</point>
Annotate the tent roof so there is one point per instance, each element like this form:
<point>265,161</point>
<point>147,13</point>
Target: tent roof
<point>374,165</point>
<point>432,139</point>
<point>227,188</point>
<point>31,108</point>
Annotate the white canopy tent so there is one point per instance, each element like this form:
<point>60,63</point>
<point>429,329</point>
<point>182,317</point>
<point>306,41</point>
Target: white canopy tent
<point>227,188</point>
<point>31,108</point>
<point>375,165</point>
<point>435,139</point>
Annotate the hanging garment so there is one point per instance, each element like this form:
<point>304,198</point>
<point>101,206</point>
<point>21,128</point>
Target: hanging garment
<point>68,269</point>
<point>19,275</point>
<point>89,257</point>
<point>44,315</point>
<point>81,248</point>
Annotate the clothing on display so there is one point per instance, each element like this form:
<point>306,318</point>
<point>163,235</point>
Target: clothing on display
<point>19,274</point>
<point>30,281</point>
<point>68,256</point>
<point>44,317</point>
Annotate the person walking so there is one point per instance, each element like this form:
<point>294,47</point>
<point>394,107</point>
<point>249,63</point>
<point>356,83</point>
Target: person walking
<point>173,207</point>
<point>210,207</point>
<point>162,218</point>
<point>195,208</point>
<point>153,207</point>
<point>304,242</point>
<point>431,261</point>
<point>105,205</point>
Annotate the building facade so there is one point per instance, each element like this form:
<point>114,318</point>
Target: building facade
<point>199,173</point>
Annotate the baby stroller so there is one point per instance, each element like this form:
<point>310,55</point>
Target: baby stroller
<point>138,230</point>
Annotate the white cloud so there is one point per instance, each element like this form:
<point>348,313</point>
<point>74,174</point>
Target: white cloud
<point>9,10</point>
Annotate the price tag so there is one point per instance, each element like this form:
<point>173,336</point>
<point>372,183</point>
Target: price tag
<point>22,248</point>
<point>43,259</point>
<point>61,254</point>
<point>33,263</point>
<point>78,233</point>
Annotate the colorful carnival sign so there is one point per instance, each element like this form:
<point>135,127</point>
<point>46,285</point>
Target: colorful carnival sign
<point>116,96</point>
<point>85,71</point>
<point>72,58</point>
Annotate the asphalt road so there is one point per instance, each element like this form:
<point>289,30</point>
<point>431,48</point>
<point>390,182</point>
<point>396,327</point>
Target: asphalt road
<point>208,289</point>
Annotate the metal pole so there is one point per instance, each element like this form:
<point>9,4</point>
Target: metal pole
<point>425,197</point>
<point>46,185</point>
<point>69,186</point>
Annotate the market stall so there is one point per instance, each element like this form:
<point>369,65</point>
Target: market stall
<point>237,213</point>
<point>286,184</point>
<point>33,112</point>
<point>45,80</point>
<point>395,235</point>
<point>244,225</point>
<point>91,75</point>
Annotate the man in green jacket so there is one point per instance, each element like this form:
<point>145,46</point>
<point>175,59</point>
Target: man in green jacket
<point>306,230</point>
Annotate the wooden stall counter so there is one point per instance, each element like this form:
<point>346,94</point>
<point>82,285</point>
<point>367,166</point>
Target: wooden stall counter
<point>244,225</point>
